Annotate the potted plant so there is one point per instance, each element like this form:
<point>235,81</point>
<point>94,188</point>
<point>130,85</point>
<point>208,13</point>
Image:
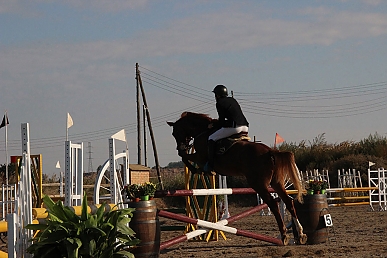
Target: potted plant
<point>317,186</point>
<point>103,234</point>
<point>149,189</point>
<point>133,192</point>
<point>324,186</point>
<point>138,192</point>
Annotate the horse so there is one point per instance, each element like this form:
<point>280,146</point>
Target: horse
<point>261,165</point>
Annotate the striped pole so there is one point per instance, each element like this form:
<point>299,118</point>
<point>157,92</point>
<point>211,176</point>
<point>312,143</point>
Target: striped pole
<point>204,192</point>
<point>229,191</point>
<point>348,204</point>
<point>221,225</point>
<point>355,189</point>
<point>348,198</point>
<point>355,199</point>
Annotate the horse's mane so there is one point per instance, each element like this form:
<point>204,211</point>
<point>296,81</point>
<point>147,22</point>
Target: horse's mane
<point>196,116</point>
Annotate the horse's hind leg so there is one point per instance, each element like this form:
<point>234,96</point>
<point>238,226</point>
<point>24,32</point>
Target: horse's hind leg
<point>273,205</point>
<point>299,236</point>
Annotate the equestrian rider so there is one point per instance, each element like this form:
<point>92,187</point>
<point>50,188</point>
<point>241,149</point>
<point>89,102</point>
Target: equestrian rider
<point>231,120</point>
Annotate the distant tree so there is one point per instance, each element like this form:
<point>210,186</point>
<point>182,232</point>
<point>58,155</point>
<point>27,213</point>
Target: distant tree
<point>178,164</point>
<point>375,145</point>
<point>318,154</point>
<point>99,168</point>
<point>45,178</point>
<point>11,171</point>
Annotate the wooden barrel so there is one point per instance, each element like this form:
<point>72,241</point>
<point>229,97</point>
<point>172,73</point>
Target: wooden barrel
<point>311,216</point>
<point>145,223</point>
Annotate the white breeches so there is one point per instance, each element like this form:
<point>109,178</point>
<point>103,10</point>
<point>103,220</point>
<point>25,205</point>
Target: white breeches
<point>227,131</point>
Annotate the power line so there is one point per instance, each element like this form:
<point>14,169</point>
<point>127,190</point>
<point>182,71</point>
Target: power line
<point>351,101</point>
<point>90,158</point>
<point>319,92</point>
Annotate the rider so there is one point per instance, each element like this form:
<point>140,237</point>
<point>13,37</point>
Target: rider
<point>231,120</point>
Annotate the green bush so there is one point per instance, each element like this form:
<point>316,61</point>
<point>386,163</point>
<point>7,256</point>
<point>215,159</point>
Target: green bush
<point>359,162</point>
<point>345,155</point>
<point>178,164</point>
<point>174,181</point>
<point>99,235</point>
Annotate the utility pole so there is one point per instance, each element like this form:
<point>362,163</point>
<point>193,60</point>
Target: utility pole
<point>90,158</point>
<point>145,142</point>
<point>138,82</point>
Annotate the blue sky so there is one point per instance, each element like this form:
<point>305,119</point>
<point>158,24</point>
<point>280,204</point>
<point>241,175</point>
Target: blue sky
<point>299,68</point>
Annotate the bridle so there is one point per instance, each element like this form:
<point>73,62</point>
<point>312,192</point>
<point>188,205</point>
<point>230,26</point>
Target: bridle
<point>190,142</point>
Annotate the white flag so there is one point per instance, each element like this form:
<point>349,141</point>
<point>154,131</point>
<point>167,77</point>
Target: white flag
<point>57,165</point>
<point>120,135</point>
<point>69,121</point>
<point>370,163</point>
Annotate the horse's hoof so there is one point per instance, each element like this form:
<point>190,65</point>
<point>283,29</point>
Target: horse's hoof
<point>302,239</point>
<point>285,239</point>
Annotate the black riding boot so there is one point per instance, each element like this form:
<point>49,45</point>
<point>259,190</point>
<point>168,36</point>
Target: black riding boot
<point>209,166</point>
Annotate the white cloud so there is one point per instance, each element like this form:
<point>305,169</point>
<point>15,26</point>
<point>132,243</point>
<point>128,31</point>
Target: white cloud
<point>108,5</point>
<point>17,6</point>
<point>233,31</point>
<point>29,7</point>
<point>79,65</point>
<point>372,2</point>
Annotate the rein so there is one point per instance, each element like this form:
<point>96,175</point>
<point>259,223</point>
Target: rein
<point>189,146</point>
<point>200,134</point>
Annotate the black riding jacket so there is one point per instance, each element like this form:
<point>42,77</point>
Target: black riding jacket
<point>230,113</point>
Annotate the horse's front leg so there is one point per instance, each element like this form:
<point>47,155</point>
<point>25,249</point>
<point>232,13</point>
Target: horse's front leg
<point>193,161</point>
<point>192,168</point>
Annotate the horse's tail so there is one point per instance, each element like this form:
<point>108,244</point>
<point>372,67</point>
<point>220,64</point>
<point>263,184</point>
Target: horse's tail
<point>285,161</point>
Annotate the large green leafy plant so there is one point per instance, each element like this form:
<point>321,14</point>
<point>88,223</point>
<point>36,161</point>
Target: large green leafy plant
<point>99,235</point>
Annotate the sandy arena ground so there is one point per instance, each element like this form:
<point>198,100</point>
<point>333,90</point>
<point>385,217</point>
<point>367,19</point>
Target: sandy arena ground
<point>357,232</point>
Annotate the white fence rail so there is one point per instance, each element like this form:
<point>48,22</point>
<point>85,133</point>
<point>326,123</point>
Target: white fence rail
<point>378,178</point>
<point>7,202</point>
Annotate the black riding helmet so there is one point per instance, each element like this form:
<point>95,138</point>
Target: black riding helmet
<point>220,90</point>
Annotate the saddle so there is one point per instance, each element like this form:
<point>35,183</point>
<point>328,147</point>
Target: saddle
<point>223,145</point>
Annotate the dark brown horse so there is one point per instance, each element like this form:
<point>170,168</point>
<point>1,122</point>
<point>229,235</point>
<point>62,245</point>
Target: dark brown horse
<point>261,165</point>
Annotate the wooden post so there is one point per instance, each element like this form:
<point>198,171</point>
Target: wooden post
<point>145,142</point>
<point>138,115</point>
<point>138,76</point>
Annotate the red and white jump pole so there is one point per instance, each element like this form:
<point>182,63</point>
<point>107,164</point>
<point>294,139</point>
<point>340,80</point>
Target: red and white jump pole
<point>221,225</point>
<point>202,192</point>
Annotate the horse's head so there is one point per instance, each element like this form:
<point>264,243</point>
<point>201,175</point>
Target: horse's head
<point>181,136</point>
<point>188,127</point>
